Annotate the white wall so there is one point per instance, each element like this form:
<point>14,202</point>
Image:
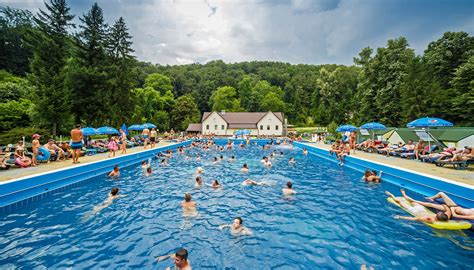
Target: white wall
<point>395,138</point>
<point>213,120</point>
<point>270,120</point>
<point>468,141</point>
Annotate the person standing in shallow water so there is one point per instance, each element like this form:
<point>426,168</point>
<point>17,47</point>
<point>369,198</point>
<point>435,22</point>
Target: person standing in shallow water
<point>76,143</point>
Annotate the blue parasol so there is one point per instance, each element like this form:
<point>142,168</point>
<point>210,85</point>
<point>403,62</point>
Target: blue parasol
<point>88,131</point>
<point>242,132</point>
<point>149,125</point>
<point>345,128</point>
<point>429,122</point>
<point>136,127</point>
<point>107,130</point>
<point>373,126</point>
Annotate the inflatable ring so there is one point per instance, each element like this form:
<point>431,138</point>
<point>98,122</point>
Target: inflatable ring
<point>43,154</point>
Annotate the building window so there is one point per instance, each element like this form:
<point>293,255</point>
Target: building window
<point>268,127</point>
<point>276,127</point>
<point>222,127</point>
<point>215,127</point>
<point>261,127</point>
<point>207,127</point>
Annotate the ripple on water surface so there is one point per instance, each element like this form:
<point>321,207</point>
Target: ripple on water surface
<point>336,221</point>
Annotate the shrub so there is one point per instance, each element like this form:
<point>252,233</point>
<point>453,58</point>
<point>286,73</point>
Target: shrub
<point>14,135</point>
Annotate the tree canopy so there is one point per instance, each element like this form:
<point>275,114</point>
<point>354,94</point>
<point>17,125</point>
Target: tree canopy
<point>52,77</point>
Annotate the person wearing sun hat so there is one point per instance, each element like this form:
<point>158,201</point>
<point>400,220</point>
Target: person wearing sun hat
<point>35,144</point>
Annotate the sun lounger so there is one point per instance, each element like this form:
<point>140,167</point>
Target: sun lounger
<point>458,165</point>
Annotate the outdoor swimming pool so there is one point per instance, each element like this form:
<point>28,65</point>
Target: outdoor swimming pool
<point>336,222</point>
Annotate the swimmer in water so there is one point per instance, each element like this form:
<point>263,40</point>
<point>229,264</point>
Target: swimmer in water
<point>263,160</point>
<point>305,151</point>
<point>245,168</point>
<point>236,227</point>
<point>292,161</point>
<point>267,162</point>
<point>115,172</point>
<point>164,162</point>
<point>250,182</point>
<point>148,171</point>
<point>232,159</point>
<point>221,157</point>
<point>198,182</point>
<point>370,176</point>
<point>215,161</point>
<point>188,203</point>
<point>181,261</point>
<point>112,196</point>
<point>144,164</point>
<point>199,170</point>
<point>188,157</point>
<point>288,190</point>
<point>216,185</point>
<point>198,157</point>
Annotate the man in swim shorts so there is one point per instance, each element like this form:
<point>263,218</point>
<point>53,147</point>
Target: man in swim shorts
<point>76,143</point>
<point>145,135</point>
<point>152,137</point>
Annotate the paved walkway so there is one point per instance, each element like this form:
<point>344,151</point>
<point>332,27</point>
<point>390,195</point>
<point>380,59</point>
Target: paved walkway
<point>462,176</point>
<point>15,172</point>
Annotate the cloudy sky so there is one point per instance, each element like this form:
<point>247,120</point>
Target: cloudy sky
<point>295,31</point>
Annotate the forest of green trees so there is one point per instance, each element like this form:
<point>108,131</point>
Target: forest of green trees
<point>54,74</point>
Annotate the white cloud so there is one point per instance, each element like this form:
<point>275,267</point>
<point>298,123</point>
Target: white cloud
<point>296,31</point>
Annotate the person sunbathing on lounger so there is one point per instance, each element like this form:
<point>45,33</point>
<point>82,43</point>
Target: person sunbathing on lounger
<point>457,211</point>
<point>466,154</point>
<point>446,154</point>
<point>419,210</point>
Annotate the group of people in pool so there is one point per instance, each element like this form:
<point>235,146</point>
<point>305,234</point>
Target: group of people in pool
<point>446,210</point>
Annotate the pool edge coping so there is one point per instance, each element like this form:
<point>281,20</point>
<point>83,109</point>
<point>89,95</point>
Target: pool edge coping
<point>453,182</point>
<point>81,165</point>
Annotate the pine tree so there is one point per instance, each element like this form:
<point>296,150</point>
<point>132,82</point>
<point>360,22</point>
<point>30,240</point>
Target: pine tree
<point>47,66</point>
<point>120,72</point>
<point>87,74</point>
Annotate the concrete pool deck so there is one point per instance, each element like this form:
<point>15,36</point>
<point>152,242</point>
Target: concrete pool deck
<point>461,176</point>
<point>13,173</point>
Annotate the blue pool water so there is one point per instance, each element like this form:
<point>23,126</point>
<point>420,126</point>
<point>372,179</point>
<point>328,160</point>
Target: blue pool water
<point>336,222</point>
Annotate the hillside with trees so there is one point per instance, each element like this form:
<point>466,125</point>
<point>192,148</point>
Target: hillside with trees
<point>54,74</point>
